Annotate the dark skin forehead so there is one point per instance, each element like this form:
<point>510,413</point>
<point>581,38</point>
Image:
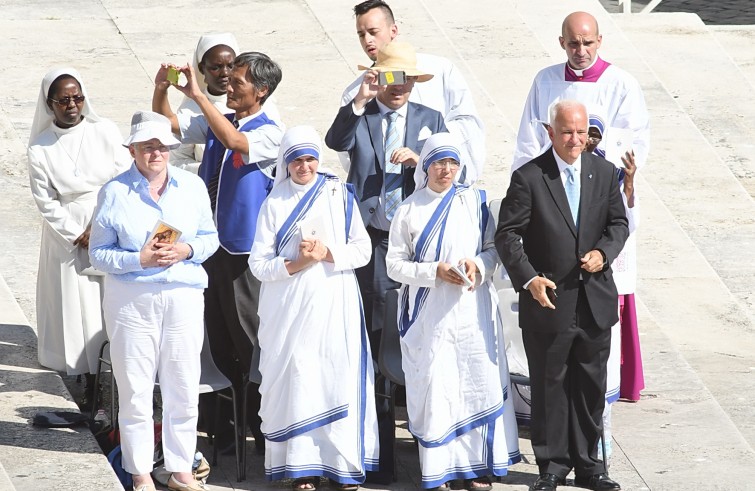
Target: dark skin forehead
<point>59,82</point>
<point>215,50</point>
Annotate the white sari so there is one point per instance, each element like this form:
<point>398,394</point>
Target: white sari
<point>318,407</point>
<point>452,346</point>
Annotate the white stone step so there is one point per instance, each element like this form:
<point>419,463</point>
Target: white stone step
<point>709,85</point>
<point>738,42</point>
<point>5,482</point>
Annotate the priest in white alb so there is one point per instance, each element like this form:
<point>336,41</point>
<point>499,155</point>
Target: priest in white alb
<point>607,92</point>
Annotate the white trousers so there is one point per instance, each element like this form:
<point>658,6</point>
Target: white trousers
<point>155,329</point>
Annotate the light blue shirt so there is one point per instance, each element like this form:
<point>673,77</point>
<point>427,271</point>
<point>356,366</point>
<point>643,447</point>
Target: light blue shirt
<point>126,215</point>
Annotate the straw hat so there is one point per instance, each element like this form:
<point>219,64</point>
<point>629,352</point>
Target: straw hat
<point>398,56</point>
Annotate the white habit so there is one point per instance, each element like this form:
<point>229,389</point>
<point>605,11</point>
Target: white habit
<point>67,167</point>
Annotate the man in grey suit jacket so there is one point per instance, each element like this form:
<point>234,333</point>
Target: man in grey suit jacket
<point>383,133</point>
<point>561,225</point>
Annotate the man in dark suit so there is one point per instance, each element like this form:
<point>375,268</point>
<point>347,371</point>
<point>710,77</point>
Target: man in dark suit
<point>561,225</point>
<point>383,133</point>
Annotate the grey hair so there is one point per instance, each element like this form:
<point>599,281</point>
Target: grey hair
<point>562,106</point>
<point>262,70</point>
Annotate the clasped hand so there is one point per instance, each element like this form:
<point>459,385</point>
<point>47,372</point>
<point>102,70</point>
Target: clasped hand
<point>445,273</point>
<point>593,261</point>
<point>161,254</point>
<point>312,251</point>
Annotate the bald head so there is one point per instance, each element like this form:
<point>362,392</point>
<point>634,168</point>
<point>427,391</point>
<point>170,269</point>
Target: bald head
<point>580,39</point>
<point>579,22</point>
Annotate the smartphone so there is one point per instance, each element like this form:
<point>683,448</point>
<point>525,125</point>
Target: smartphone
<point>173,74</point>
<point>392,78</point>
<point>551,294</point>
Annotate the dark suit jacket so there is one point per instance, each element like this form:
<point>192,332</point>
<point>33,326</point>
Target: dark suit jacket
<point>536,211</point>
<point>362,137</point>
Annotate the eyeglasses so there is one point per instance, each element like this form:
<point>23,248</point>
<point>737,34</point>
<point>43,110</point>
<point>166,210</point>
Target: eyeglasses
<point>151,148</point>
<point>66,101</point>
<point>443,163</point>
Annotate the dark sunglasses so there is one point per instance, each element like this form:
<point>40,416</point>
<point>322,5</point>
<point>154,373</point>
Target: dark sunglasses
<point>66,101</point>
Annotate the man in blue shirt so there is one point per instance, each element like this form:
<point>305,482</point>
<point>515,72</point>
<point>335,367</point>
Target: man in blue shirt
<point>237,167</point>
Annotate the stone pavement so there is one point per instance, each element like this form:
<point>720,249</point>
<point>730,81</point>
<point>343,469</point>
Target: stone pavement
<point>695,426</point>
<point>718,12</point>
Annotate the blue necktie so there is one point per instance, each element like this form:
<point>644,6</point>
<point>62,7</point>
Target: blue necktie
<point>572,187</point>
<point>393,172</point>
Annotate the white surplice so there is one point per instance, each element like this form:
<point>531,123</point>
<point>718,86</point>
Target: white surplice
<point>67,167</point>
<point>318,407</point>
<point>616,97</point>
<point>454,359</point>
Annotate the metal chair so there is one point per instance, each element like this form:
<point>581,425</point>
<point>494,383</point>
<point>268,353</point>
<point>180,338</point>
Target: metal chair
<point>389,362</point>
<point>102,360</point>
<point>254,377</point>
<point>211,380</point>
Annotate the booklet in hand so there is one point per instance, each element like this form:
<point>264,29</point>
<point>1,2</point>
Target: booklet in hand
<point>165,233</point>
<point>316,227</point>
<point>461,270</point>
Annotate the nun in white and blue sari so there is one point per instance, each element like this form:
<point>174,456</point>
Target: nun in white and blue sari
<point>318,406</point>
<point>454,358</point>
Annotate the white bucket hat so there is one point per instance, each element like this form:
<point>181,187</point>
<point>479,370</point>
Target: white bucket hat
<point>146,125</point>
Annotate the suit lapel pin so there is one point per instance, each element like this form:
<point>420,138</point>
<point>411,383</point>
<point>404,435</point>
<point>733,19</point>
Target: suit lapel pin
<point>589,176</point>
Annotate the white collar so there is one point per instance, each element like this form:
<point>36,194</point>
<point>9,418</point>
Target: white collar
<point>562,165</point>
<point>581,73</point>
<point>243,121</point>
<point>385,109</point>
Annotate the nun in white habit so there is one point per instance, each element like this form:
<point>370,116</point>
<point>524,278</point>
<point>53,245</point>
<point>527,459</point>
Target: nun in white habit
<point>72,152</point>
<point>318,408</point>
<point>452,345</point>
<point>212,63</point>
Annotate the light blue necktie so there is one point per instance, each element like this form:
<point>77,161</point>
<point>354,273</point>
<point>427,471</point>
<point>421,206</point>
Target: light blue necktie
<point>571,187</point>
<point>393,172</point>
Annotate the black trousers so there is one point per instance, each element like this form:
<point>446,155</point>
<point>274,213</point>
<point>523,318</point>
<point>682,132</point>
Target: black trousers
<point>231,302</point>
<point>374,283</point>
<point>568,377</point>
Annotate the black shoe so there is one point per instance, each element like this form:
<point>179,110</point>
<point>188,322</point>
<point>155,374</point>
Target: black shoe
<point>597,482</point>
<point>379,477</point>
<point>548,482</point>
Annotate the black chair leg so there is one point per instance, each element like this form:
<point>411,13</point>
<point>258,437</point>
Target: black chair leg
<point>217,426</point>
<point>394,388</point>
<point>239,435</point>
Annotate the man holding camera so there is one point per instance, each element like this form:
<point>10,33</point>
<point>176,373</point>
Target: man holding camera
<point>447,93</point>
<point>383,134</point>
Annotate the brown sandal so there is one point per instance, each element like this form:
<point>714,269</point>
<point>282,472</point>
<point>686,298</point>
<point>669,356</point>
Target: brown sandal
<point>478,484</point>
<point>304,484</point>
